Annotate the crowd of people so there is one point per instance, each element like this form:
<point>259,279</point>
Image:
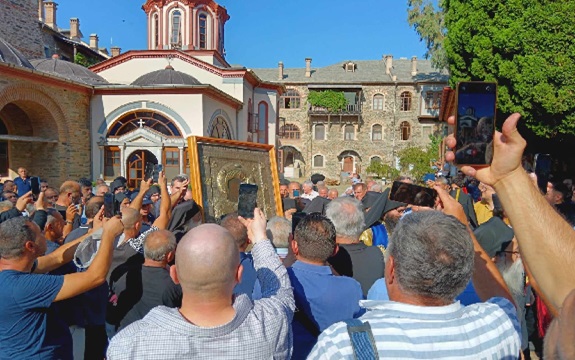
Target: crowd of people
<point>356,275</point>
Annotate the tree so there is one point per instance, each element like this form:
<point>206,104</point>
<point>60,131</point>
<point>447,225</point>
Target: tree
<point>417,161</point>
<point>527,47</point>
<point>84,61</point>
<point>382,170</point>
<point>426,17</point>
<point>332,100</point>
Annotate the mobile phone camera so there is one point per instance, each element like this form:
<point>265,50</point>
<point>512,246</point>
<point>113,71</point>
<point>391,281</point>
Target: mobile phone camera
<point>463,88</point>
<point>488,88</point>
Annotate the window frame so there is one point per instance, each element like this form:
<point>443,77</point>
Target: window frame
<point>435,98</point>
<point>289,97</point>
<point>203,18</point>
<point>113,150</point>
<point>345,132</point>
<point>402,126</point>
<point>315,132</point>
<point>380,132</point>
<point>405,101</point>
<point>380,102</point>
<point>318,156</point>
<point>176,44</point>
<point>290,132</point>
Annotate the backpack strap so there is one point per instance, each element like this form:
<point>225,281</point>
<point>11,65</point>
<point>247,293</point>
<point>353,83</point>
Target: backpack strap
<point>362,340</point>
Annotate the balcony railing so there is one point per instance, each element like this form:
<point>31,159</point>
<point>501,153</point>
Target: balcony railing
<point>351,109</point>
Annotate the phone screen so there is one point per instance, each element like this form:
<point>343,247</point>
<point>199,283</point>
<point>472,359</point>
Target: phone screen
<point>296,193</point>
<point>412,194</point>
<point>476,111</point>
<point>109,201</point>
<point>149,170</point>
<point>248,196</point>
<point>543,164</point>
<point>35,185</point>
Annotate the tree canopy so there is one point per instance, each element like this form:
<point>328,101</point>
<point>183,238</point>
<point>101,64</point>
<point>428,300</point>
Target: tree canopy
<point>526,46</point>
<point>426,17</point>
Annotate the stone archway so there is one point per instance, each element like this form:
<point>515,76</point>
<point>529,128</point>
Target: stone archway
<point>36,133</point>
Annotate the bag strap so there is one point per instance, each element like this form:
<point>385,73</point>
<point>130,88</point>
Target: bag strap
<point>307,323</point>
<point>457,192</point>
<point>362,340</point>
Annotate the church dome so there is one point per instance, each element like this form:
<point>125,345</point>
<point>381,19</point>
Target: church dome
<point>68,70</point>
<point>167,76</point>
<point>9,55</point>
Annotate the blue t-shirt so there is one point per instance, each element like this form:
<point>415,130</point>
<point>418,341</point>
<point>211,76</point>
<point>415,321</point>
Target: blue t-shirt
<point>29,328</point>
<point>23,185</point>
<point>323,299</point>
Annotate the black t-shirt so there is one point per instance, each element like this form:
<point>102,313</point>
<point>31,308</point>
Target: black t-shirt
<point>155,283</point>
<point>361,262</point>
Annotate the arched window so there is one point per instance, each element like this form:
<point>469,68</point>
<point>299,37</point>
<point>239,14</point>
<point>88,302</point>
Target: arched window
<point>155,31</point>
<point>319,132</point>
<point>290,131</point>
<point>203,30</point>
<point>318,161</point>
<point>252,120</point>
<point>375,159</point>
<point>405,130</point>
<point>378,102</point>
<point>176,36</point>
<point>290,100</point>
<point>405,98</point>
<point>263,122</point>
<point>142,118</point>
<point>376,132</point>
<point>349,132</point>
<point>220,129</point>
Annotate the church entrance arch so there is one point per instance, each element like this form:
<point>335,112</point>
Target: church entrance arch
<point>136,165</point>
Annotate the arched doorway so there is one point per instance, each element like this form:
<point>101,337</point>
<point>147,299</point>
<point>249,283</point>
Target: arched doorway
<point>136,165</point>
<point>347,164</point>
<point>350,161</point>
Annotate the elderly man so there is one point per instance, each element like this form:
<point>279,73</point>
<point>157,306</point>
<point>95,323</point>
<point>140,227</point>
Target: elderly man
<point>278,230</point>
<point>102,190</point>
<point>308,192</point>
<point>332,193</point>
<point>29,329</point>
<point>51,195</point>
<point>430,259</point>
<point>159,250</point>
<point>284,191</point>
<point>323,191</point>
<point>294,186</point>
<point>22,182</point>
<point>354,258</point>
<point>359,191</point>
<point>69,196</point>
<point>212,323</point>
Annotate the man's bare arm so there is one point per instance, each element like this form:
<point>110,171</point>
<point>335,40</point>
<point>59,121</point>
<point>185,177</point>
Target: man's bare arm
<point>144,187</point>
<point>63,255</point>
<point>166,205</point>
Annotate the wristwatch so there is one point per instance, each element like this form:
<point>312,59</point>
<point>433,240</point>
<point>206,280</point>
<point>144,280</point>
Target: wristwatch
<point>69,222</point>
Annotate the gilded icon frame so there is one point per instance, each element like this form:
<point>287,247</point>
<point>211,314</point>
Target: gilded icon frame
<point>217,166</point>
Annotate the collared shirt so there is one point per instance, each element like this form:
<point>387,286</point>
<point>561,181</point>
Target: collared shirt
<point>259,329</point>
<point>23,185</point>
<point>322,299</point>
<point>487,330</point>
<point>312,195</point>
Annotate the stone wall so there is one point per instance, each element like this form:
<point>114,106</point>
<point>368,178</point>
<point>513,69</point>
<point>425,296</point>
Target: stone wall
<point>334,145</point>
<point>19,26</point>
<point>48,110</point>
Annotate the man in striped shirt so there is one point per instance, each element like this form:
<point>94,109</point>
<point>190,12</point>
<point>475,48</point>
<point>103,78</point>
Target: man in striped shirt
<point>430,259</point>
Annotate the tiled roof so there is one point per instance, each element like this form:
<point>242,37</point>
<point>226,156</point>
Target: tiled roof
<point>366,71</point>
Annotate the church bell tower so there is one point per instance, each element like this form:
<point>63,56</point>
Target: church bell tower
<point>186,25</point>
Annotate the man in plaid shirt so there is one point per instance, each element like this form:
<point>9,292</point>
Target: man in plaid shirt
<point>212,323</point>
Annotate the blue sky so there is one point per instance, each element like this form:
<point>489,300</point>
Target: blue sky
<point>262,32</point>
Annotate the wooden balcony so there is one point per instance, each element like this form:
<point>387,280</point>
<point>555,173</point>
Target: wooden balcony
<point>351,110</point>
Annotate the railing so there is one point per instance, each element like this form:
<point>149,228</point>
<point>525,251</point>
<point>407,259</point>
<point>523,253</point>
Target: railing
<point>351,109</point>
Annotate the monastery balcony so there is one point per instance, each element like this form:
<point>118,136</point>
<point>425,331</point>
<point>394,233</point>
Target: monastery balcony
<point>351,110</point>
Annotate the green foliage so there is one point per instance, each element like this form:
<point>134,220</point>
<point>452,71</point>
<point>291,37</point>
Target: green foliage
<point>426,17</point>
<point>332,100</point>
<point>80,59</point>
<point>528,47</point>
<point>416,161</point>
<point>382,170</point>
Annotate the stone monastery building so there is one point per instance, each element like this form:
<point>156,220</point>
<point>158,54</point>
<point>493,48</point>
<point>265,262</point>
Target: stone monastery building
<point>140,106</point>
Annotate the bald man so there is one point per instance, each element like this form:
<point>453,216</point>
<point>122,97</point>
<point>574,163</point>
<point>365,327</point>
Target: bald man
<point>159,250</point>
<point>211,322</point>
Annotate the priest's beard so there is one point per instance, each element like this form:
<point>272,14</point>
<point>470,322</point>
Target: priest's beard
<point>390,223</point>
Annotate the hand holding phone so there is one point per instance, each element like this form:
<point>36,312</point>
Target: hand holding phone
<point>475,122</point>
<point>35,185</point>
<point>247,200</point>
<point>158,168</point>
<point>543,164</point>
<point>109,205</point>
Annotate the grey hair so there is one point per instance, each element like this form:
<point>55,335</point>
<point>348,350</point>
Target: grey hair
<point>376,187</point>
<point>433,255</point>
<point>442,180</point>
<point>346,213</point>
<point>307,184</point>
<point>14,234</point>
<point>6,205</point>
<point>159,253</point>
<point>278,230</point>
<point>51,217</point>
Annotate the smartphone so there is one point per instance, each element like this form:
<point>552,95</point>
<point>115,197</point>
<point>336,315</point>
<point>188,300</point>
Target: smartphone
<point>412,194</point>
<point>295,219</point>
<point>156,172</point>
<point>35,185</point>
<point>247,199</point>
<point>475,122</point>
<point>149,170</point>
<point>543,164</point>
<point>296,193</point>
<point>109,205</point>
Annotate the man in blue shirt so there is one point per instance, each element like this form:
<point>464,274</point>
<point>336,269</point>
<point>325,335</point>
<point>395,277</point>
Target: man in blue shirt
<point>29,329</point>
<point>322,299</point>
<point>23,182</point>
